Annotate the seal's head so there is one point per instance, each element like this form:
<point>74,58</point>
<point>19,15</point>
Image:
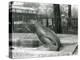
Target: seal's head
<point>32,21</point>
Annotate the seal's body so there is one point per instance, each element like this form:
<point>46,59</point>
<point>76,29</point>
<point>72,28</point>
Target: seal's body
<point>46,36</point>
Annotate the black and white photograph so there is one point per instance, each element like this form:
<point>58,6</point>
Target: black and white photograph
<point>42,30</point>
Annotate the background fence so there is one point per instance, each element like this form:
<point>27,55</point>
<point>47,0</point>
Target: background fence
<point>59,25</point>
<point>68,25</point>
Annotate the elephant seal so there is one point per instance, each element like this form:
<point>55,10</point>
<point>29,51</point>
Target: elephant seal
<point>47,36</point>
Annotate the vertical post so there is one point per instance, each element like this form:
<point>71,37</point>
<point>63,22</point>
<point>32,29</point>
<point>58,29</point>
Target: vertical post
<point>47,22</point>
<point>10,28</point>
<point>57,17</point>
<point>69,15</point>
